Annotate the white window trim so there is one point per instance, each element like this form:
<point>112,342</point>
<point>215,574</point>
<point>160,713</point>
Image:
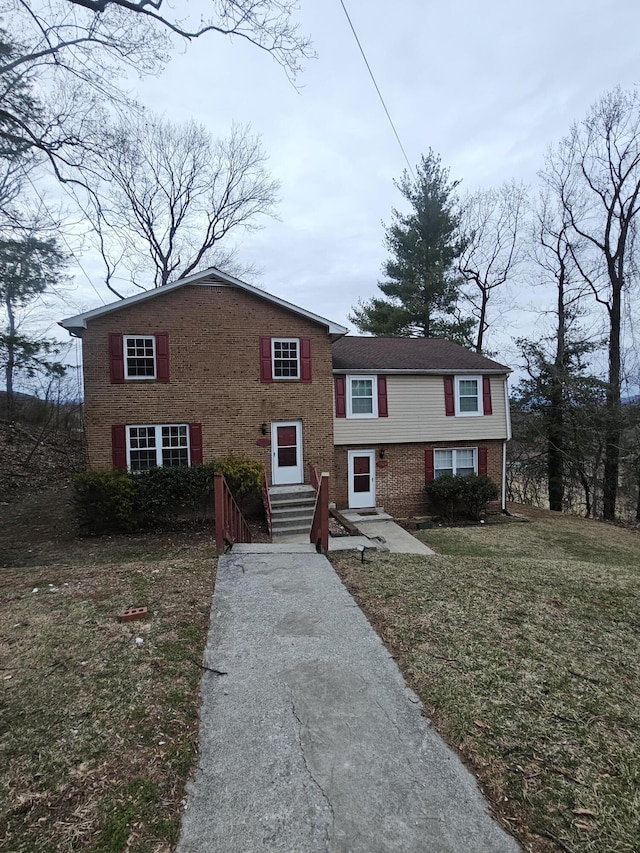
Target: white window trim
<point>274,341</point>
<point>151,338</point>
<point>478,380</point>
<point>454,451</point>
<point>374,401</point>
<point>158,429</point>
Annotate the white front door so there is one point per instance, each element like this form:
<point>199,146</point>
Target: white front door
<point>362,478</point>
<point>286,453</point>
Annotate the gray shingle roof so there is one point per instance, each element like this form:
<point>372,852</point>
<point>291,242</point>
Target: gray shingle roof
<point>411,354</point>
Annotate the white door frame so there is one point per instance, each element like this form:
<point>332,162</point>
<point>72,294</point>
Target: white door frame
<point>360,500</point>
<point>290,474</point>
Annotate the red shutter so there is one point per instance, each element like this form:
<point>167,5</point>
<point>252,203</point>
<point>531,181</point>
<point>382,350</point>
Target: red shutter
<point>383,410</point>
<point>265,360</point>
<point>449,399</point>
<point>119,445</point>
<point>162,357</point>
<point>305,359</point>
<point>482,461</point>
<point>341,396</point>
<point>195,443</point>
<point>429,472</point>
<point>116,358</point>
<point>486,395</point>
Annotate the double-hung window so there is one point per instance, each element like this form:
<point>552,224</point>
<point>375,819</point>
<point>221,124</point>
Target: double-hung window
<point>286,358</point>
<point>139,357</point>
<point>468,395</point>
<point>165,445</point>
<point>362,397</point>
<point>457,461</point>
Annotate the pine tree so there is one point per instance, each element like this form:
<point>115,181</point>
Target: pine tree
<point>422,283</point>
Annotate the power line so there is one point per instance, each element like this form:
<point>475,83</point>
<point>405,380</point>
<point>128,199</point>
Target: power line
<point>366,62</point>
<point>66,242</point>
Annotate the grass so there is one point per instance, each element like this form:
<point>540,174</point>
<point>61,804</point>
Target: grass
<point>523,641</point>
<point>98,733</point>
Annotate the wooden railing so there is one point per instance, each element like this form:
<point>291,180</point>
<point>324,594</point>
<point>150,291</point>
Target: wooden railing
<point>267,503</point>
<point>231,526</point>
<point>320,526</point>
<point>314,477</point>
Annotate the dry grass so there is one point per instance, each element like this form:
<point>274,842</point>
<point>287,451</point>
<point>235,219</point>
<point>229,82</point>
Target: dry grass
<point>523,641</point>
<point>97,733</point>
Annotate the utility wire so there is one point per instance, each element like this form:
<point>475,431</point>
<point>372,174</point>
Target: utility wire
<point>66,242</point>
<point>366,62</point>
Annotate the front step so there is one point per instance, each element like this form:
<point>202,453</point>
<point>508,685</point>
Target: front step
<point>292,510</point>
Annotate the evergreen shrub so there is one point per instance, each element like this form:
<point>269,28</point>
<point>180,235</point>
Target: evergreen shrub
<point>461,497</point>
<point>160,498</point>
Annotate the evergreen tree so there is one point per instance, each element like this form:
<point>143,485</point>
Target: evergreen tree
<point>29,265</point>
<point>422,283</point>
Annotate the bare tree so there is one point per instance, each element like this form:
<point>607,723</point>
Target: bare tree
<point>79,50</point>
<point>170,196</point>
<point>491,222</point>
<point>595,174</point>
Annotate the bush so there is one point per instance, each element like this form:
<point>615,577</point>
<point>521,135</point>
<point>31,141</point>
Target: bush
<point>104,502</point>
<point>461,497</point>
<point>159,498</point>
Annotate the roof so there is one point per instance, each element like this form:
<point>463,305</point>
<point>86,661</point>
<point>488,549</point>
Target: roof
<point>210,276</point>
<point>409,355</point>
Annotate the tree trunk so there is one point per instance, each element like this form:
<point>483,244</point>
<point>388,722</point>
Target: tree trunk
<point>555,442</point>
<point>11,358</point>
<point>614,427</point>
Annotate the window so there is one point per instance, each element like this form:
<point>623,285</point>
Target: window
<point>140,357</point>
<point>286,358</point>
<point>468,395</point>
<point>157,446</point>
<point>460,462</point>
<point>362,397</point>
<point>135,357</point>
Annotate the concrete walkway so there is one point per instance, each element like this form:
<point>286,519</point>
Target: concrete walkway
<point>378,531</point>
<point>311,741</point>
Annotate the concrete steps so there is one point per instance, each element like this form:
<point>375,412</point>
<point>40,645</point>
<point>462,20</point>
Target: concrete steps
<point>291,510</point>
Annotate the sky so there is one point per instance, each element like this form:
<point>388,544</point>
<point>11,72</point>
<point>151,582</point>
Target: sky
<point>488,86</point>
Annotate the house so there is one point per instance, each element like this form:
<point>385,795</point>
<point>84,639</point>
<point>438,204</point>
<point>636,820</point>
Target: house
<point>209,365</point>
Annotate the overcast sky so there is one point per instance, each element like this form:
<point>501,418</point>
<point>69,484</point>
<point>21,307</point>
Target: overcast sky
<point>488,86</point>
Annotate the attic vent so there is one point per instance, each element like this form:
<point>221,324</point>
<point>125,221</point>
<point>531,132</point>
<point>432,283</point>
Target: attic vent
<point>218,290</point>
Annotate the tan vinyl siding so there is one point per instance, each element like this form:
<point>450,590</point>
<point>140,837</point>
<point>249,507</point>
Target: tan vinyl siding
<point>416,414</point>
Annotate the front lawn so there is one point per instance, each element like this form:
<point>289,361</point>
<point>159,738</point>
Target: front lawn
<point>523,641</point>
<point>98,719</point>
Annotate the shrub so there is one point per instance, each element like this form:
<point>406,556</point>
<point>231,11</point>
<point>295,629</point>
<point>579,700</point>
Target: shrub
<point>104,502</point>
<point>164,495</point>
<point>461,497</point>
<point>159,498</point>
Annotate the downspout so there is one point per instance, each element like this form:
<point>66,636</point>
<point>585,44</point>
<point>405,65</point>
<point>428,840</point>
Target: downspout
<point>504,445</point>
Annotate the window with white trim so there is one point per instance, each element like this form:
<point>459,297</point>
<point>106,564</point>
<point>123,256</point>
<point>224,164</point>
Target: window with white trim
<point>468,395</point>
<point>157,446</point>
<point>362,396</point>
<point>139,357</point>
<point>455,461</point>
<point>285,354</point>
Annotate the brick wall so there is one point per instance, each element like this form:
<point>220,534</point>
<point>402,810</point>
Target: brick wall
<point>400,480</point>
<point>214,337</point>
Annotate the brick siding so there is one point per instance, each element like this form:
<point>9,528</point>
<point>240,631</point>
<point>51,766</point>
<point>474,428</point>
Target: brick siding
<point>400,479</point>
<point>214,335</point>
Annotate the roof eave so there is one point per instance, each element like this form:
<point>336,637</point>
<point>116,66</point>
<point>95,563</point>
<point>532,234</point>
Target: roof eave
<point>76,324</point>
<point>431,371</point>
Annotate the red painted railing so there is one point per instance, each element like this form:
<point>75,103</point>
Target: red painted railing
<point>267,502</point>
<point>314,477</point>
<point>320,526</point>
<point>230,524</point>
